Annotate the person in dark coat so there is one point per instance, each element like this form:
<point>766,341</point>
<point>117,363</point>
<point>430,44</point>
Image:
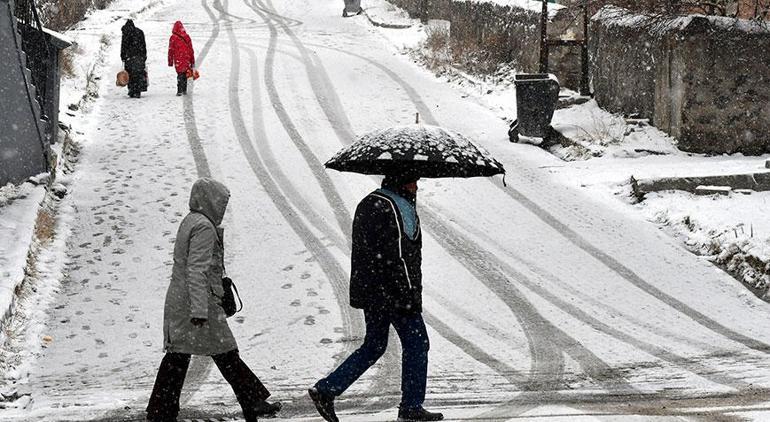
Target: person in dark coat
<point>194,322</point>
<point>386,282</point>
<point>181,56</point>
<point>133,53</point>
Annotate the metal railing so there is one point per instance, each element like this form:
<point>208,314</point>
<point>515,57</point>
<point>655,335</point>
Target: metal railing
<point>35,44</point>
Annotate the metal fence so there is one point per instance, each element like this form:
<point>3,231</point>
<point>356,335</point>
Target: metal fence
<point>37,49</point>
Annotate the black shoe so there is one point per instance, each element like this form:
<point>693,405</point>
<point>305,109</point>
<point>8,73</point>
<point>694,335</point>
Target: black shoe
<point>266,409</point>
<point>324,404</point>
<point>344,13</point>
<point>179,93</point>
<point>418,414</point>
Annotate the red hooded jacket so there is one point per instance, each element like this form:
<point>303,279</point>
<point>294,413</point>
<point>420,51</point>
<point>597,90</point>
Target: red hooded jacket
<point>180,49</point>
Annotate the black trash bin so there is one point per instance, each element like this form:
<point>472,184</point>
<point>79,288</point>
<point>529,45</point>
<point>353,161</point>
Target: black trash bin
<point>536,98</point>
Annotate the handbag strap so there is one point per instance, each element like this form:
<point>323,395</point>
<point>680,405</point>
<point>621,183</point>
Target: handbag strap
<point>237,295</point>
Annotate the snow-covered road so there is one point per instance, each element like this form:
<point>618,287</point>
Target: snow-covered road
<point>540,302</point>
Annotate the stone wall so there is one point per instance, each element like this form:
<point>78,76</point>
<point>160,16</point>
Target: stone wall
<point>506,34</point>
<point>622,65</point>
<point>703,80</point>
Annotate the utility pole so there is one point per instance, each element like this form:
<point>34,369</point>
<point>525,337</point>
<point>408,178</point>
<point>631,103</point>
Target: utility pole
<point>544,38</point>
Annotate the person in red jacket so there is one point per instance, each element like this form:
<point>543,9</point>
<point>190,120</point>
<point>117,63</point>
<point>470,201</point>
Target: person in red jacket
<point>181,55</point>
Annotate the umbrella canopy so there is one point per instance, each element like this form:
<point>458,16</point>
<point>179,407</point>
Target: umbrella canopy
<point>419,150</point>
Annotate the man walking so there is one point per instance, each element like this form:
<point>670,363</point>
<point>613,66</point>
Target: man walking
<point>386,282</point>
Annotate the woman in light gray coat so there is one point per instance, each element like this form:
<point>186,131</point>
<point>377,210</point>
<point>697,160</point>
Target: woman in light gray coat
<point>194,322</point>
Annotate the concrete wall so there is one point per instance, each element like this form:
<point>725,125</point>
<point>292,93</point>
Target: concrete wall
<point>23,148</point>
<point>704,80</point>
<point>506,34</point>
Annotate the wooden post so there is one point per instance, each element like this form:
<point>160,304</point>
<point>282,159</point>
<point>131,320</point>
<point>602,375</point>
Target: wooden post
<point>585,89</point>
<point>544,38</point>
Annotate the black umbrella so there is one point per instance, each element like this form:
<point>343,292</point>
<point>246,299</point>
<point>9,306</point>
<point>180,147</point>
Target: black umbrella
<point>419,150</point>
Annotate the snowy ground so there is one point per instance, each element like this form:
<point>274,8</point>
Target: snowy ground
<point>544,300</point>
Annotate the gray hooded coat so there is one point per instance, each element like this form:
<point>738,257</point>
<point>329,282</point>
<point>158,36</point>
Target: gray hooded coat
<point>196,279</point>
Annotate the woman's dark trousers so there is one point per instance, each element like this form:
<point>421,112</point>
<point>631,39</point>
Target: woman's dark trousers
<point>181,83</point>
<point>164,402</point>
<point>414,364</point>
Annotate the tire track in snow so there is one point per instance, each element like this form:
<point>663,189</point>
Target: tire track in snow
<point>388,370</point>
<point>387,367</point>
<point>688,364</point>
<point>630,276</point>
<point>327,186</point>
<point>545,353</point>
<point>352,323</point>
<point>614,265</point>
<point>336,115</point>
<point>274,168</point>
<point>578,240</point>
<point>332,107</point>
<point>190,123</point>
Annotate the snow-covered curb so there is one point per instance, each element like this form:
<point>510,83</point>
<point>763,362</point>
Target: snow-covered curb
<point>730,231</point>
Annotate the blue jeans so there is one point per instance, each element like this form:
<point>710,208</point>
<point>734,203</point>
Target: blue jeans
<point>414,363</point>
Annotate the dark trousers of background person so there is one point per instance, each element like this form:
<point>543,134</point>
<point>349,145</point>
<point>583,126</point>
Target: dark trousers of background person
<point>137,76</point>
<point>414,365</point>
<point>181,83</point>
<point>164,402</point>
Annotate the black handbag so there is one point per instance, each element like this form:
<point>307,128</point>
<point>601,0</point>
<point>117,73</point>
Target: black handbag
<point>228,300</point>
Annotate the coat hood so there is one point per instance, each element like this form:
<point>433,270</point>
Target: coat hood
<point>209,197</point>
<point>179,28</point>
<point>128,26</point>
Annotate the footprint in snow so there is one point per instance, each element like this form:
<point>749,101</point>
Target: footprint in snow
<point>304,276</point>
<point>286,286</point>
<point>296,302</point>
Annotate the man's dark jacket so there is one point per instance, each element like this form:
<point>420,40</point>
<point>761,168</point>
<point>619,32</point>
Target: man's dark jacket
<point>385,272</point>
